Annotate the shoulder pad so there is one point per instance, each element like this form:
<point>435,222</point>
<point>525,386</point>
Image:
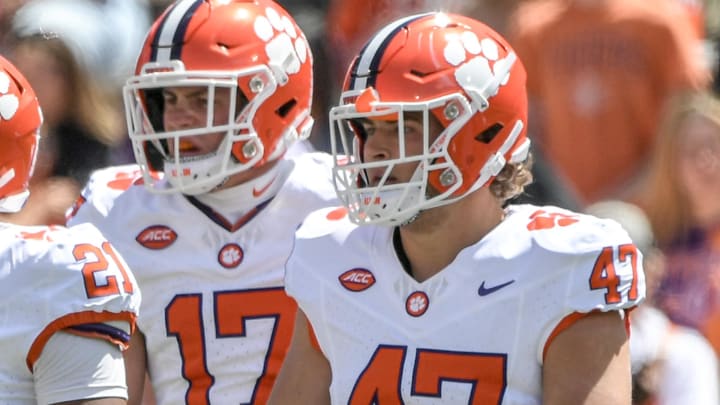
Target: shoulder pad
<point>324,221</point>
<point>563,231</point>
<point>104,186</point>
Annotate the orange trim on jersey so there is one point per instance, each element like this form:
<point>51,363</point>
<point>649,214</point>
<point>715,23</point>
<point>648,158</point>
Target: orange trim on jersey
<point>561,326</point>
<point>574,317</point>
<point>627,319</point>
<point>77,318</point>
<point>313,339</point>
<point>224,222</point>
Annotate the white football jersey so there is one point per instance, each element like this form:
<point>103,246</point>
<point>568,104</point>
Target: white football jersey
<point>474,333</point>
<point>56,278</point>
<point>216,318</point>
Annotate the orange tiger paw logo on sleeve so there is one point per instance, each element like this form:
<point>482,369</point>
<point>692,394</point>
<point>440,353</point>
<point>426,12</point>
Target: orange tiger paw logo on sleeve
<point>123,180</point>
<point>44,235</point>
<point>542,219</point>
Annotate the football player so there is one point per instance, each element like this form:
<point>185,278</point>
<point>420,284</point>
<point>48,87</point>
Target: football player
<point>69,302</point>
<point>206,218</point>
<point>426,287</point>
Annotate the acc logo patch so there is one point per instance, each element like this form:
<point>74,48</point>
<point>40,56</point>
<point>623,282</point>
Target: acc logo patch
<point>156,237</point>
<point>417,303</point>
<point>357,280</point>
<point>231,255</point>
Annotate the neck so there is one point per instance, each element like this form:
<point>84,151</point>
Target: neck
<point>456,225</point>
<point>233,201</point>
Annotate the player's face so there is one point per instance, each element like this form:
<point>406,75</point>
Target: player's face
<point>383,142</point>
<point>187,108</point>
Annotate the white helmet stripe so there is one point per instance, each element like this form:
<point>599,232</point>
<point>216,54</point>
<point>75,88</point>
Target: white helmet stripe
<point>9,175</point>
<point>169,37</point>
<point>370,56</point>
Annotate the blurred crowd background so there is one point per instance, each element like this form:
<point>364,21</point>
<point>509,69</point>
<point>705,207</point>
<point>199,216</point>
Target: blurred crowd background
<point>624,118</point>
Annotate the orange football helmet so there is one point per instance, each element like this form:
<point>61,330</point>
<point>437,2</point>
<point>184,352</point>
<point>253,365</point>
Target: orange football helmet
<point>252,47</point>
<point>20,121</point>
<point>449,67</point>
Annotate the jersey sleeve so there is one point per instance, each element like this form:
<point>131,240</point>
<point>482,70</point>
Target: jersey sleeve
<point>609,272</point>
<point>597,268</point>
<point>83,287</point>
<point>73,367</point>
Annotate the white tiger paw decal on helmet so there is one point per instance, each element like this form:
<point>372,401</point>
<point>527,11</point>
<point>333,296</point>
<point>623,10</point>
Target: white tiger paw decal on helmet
<point>9,103</point>
<point>476,75</point>
<point>285,47</point>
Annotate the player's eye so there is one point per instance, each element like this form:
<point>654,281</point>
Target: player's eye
<point>199,103</point>
<point>169,98</point>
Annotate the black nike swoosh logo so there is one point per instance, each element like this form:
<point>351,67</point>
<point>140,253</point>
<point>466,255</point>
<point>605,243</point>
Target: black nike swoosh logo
<point>483,291</point>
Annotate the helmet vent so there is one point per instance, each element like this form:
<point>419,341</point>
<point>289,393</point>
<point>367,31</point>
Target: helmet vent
<point>418,73</point>
<point>286,108</point>
<point>490,133</point>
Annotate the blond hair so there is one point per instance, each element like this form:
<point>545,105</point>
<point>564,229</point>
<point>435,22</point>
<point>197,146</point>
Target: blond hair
<point>512,179</point>
<point>94,106</point>
<point>662,196</point>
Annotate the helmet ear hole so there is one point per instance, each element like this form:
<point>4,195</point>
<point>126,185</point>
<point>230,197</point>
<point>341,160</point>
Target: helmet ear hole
<point>489,133</point>
<point>286,108</point>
